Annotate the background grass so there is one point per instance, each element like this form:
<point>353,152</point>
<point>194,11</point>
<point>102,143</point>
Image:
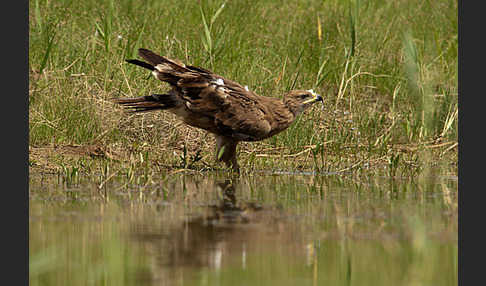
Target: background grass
<point>387,71</point>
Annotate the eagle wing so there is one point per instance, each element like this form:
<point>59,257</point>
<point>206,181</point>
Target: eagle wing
<point>237,112</point>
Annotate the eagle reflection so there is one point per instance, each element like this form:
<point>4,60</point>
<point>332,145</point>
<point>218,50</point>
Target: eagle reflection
<point>219,236</point>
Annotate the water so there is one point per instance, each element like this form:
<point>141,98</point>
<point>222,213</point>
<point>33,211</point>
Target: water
<point>265,229</point>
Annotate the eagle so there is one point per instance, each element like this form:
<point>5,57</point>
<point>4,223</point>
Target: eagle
<point>227,109</point>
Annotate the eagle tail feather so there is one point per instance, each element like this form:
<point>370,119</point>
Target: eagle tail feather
<point>148,102</point>
<point>155,60</point>
<point>141,64</point>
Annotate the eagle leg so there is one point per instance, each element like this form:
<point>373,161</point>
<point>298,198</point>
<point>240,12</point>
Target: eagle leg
<point>226,152</point>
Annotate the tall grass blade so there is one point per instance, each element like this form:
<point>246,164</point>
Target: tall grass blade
<point>50,35</point>
<point>207,32</point>
<point>107,25</point>
<point>320,77</point>
<point>412,75</point>
<point>294,82</point>
<point>352,31</point>
<point>207,41</point>
<point>38,17</point>
<point>215,16</point>
<point>451,117</point>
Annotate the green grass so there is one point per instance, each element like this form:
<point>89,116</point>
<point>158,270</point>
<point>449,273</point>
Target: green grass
<point>387,71</point>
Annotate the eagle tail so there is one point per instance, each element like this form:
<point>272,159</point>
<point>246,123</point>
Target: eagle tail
<point>155,59</point>
<point>148,102</point>
<point>141,64</point>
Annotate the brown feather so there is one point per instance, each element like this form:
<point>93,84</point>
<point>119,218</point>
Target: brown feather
<point>223,107</point>
<point>155,60</point>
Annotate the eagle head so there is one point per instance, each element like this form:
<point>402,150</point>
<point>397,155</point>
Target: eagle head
<point>299,100</point>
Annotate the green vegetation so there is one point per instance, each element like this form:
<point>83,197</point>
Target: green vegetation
<point>387,71</point>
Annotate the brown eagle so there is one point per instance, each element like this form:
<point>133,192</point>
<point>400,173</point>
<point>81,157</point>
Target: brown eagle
<point>218,105</point>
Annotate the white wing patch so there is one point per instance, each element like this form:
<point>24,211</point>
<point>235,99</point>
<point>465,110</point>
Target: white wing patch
<point>160,67</point>
<point>220,85</point>
<point>219,81</point>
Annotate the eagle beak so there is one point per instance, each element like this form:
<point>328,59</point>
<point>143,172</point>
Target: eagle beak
<point>316,98</point>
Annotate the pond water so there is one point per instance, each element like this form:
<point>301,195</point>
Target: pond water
<point>265,229</point>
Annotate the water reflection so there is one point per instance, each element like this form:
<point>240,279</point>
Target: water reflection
<point>221,234</point>
<point>276,230</point>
